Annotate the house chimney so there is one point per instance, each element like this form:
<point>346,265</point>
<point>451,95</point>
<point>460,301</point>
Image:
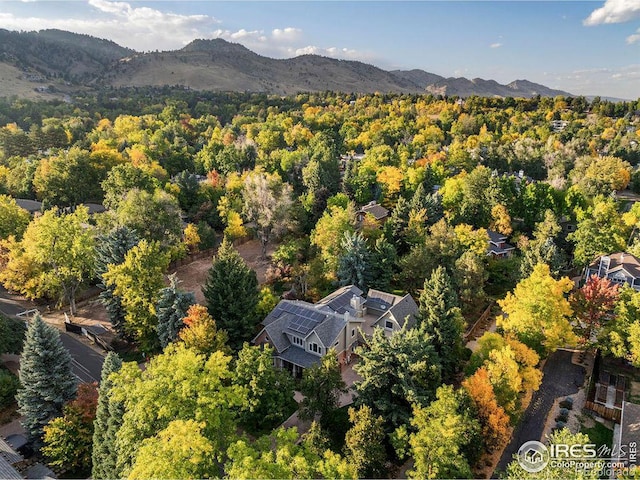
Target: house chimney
<point>357,304</point>
<point>605,261</point>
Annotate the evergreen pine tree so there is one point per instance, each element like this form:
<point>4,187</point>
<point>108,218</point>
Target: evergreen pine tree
<point>231,292</point>
<point>354,264</point>
<point>111,249</point>
<point>439,316</point>
<point>172,308</point>
<point>46,378</point>
<point>383,264</point>
<point>104,451</point>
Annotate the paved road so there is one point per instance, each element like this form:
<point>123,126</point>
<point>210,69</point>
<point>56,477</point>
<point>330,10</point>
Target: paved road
<point>561,378</point>
<point>86,362</point>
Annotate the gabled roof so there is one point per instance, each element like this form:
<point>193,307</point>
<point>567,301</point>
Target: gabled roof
<point>628,262</point>
<point>329,330</point>
<point>30,206</point>
<point>375,209</point>
<point>404,309</point>
<point>495,237</point>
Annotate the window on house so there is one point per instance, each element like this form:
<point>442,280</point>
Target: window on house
<point>353,332</point>
<point>314,347</point>
<point>297,340</point>
<point>388,324</point>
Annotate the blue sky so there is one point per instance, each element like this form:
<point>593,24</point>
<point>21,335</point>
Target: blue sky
<point>589,48</point>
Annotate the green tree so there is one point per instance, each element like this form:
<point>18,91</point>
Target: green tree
<point>179,384</point>
<point>123,178</point>
<point>46,378</point>
<point>13,219</point>
<point>267,203</point>
<point>397,372</point>
<point>179,451</point>
<point>171,309</point>
<point>354,263</point>
<point>439,318</point>
<point>69,178</point>
<point>137,281</point>
<point>270,399</point>
<point>441,432</point>
<point>279,456</point>
<point>383,264</point>
<point>154,216</point>
<point>231,292</point>
<point>600,231</point>
<point>62,247</point>
<point>364,443</point>
<point>537,312</point>
<point>68,439</point>
<point>322,386</point>
<point>621,335</point>
<point>12,332</point>
<point>330,230</point>
<point>111,249</point>
<point>104,449</point>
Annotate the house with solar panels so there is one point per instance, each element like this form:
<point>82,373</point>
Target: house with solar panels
<point>301,332</point>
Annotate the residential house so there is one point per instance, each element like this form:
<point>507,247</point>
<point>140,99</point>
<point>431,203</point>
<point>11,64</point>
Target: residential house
<point>498,246</point>
<point>302,332</point>
<point>618,267</point>
<point>375,209</point>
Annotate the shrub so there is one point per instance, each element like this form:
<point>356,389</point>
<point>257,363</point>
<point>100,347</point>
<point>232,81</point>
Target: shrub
<point>567,403</point>
<point>9,385</point>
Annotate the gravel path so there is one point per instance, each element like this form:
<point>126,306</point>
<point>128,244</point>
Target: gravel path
<point>561,378</point>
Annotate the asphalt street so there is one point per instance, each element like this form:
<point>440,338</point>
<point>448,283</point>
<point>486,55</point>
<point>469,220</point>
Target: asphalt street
<point>561,378</point>
<point>86,362</point>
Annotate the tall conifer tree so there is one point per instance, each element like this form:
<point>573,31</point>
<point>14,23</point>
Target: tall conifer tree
<point>439,316</point>
<point>231,291</point>
<point>104,449</point>
<point>46,378</point>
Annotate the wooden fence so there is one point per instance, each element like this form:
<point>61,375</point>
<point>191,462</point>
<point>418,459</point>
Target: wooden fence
<point>173,266</point>
<point>480,325</point>
<point>607,413</point>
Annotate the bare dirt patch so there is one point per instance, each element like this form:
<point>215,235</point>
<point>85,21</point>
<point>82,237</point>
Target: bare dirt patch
<point>194,274</point>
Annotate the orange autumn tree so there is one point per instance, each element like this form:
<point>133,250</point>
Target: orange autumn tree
<point>201,333</point>
<point>494,421</point>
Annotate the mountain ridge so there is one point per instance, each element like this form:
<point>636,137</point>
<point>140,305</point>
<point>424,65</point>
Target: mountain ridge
<point>57,58</point>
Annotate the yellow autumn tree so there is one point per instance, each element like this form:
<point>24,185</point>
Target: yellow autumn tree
<point>537,312</point>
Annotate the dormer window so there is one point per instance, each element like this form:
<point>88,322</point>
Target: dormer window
<point>388,324</point>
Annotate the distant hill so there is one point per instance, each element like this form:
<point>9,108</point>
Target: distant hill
<point>58,58</point>
<point>59,54</point>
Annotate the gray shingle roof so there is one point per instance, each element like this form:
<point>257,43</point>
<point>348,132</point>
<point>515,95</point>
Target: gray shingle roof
<point>299,357</point>
<point>495,237</point>
<point>275,331</point>
<point>405,308</point>
<point>8,456</point>
<point>329,330</point>
<point>375,209</point>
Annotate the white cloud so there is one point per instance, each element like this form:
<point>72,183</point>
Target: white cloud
<point>495,45</point>
<point>634,38</point>
<point>614,11</point>
<point>286,34</point>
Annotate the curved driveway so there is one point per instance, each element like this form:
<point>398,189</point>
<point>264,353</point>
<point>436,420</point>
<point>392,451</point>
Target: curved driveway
<point>561,378</point>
